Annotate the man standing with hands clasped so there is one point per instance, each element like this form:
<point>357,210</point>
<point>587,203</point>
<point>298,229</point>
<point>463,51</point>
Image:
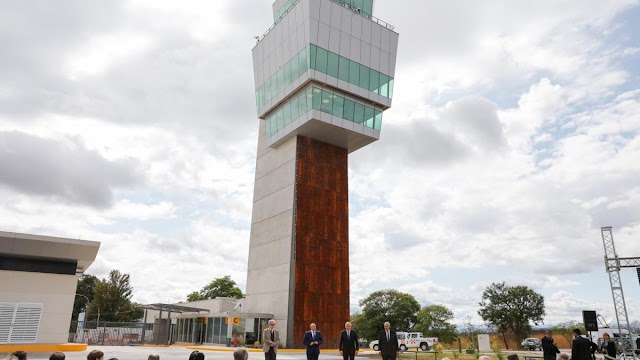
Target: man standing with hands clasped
<point>271,338</point>
<point>312,340</point>
<point>348,343</point>
<point>388,343</point>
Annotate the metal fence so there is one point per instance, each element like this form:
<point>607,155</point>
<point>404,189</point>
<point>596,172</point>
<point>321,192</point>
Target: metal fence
<point>118,333</point>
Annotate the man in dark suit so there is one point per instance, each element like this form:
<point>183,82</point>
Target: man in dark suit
<point>388,343</point>
<point>312,340</point>
<point>582,348</point>
<point>549,349</point>
<point>348,342</point>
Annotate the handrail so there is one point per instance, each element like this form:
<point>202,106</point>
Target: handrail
<point>277,21</point>
<point>339,2</point>
<point>365,15</point>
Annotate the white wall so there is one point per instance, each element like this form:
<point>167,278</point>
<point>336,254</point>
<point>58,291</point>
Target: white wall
<point>55,292</point>
<point>268,273</point>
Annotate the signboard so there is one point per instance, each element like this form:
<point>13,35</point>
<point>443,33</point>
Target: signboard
<point>590,320</point>
<point>236,320</point>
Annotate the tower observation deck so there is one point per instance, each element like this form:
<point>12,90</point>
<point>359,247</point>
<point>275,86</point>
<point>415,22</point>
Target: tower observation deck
<point>324,75</point>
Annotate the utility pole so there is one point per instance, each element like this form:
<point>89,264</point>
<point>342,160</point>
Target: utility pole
<point>613,263</point>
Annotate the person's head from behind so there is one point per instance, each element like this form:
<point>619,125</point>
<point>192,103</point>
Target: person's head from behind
<point>576,332</point>
<point>196,355</point>
<point>95,355</point>
<point>21,355</point>
<point>564,356</point>
<point>512,357</point>
<point>240,354</point>
<point>153,357</point>
<point>57,356</point>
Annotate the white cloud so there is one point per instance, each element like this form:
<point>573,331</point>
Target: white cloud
<point>513,137</point>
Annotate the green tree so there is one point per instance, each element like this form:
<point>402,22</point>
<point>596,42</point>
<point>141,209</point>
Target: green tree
<point>112,299</point>
<point>565,329</point>
<point>433,320</point>
<point>390,305</point>
<point>84,289</point>
<point>220,287</point>
<point>358,322</point>
<point>511,309</point>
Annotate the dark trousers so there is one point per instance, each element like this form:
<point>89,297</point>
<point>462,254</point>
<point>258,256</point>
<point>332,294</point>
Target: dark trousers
<point>348,355</point>
<point>313,352</point>
<point>270,355</point>
<point>389,357</point>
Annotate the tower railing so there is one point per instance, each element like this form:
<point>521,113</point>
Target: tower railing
<point>341,3</point>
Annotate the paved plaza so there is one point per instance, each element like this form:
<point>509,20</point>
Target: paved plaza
<point>173,353</point>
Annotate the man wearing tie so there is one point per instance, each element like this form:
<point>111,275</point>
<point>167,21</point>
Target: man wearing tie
<point>388,343</point>
<point>312,340</point>
<point>271,338</point>
<point>348,343</point>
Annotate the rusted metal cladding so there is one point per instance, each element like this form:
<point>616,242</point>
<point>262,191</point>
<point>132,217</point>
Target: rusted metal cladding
<point>321,240</point>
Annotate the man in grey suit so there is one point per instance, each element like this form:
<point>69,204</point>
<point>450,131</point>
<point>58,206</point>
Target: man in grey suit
<point>271,339</point>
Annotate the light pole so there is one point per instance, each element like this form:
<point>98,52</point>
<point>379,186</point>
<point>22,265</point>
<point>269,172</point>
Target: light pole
<point>86,305</point>
<point>86,316</point>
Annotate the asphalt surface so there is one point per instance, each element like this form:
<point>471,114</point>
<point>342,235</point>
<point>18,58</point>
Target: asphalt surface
<point>171,353</point>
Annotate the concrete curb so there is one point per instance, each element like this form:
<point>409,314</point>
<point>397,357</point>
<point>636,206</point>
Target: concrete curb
<point>42,347</point>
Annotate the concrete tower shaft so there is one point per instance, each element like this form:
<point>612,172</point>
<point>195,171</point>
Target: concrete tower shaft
<point>324,74</point>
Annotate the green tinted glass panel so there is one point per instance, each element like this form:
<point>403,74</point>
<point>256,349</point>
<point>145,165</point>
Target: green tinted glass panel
<point>384,85</point>
<point>295,111</point>
<point>280,119</point>
<point>367,7</point>
<point>302,104</point>
<point>338,106</point>
<point>354,72</point>
<point>280,81</point>
<point>364,77</point>
<point>378,120</point>
<point>321,60</point>
<point>343,68</point>
<point>317,98</point>
<point>303,66</point>
<point>368,116</point>
<point>295,68</point>
<point>328,63</point>
<point>348,109</point>
<point>374,81</point>
<point>358,113</point>
<point>332,65</point>
<point>274,87</point>
<point>358,4</point>
<point>287,114</point>
<point>287,75</point>
<point>309,95</point>
<point>327,102</point>
<point>313,51</point>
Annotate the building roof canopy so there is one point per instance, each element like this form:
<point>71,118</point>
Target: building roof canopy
<point>173,308</point>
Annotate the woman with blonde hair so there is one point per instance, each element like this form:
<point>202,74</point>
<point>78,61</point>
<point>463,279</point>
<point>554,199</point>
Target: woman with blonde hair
<point>608,346</point>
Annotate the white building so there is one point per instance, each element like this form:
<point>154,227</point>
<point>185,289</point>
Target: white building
<point>38,280</point>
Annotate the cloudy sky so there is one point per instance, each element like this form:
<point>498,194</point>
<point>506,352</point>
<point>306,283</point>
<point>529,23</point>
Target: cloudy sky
<point>513,137</point>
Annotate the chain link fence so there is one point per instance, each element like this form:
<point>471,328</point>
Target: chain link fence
<point>118,333</point>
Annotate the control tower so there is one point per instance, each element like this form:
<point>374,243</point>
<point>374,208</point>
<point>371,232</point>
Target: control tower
<point>323,78</point>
